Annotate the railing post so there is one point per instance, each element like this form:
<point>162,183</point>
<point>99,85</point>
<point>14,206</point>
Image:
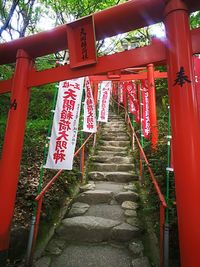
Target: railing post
<point>29,260</point>
<point>162,221</point>
<point>82,162</point>
<point>94,141</point>
<point>12,147</point>
<point>166,246</point>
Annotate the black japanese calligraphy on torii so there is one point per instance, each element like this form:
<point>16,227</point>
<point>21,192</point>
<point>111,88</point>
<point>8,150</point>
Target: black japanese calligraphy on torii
<point>181,77</point>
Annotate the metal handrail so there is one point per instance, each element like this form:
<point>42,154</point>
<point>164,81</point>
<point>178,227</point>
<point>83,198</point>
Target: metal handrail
<point>46,188</point>
<point>39,200</point>
<point>163,204</point>
<point>154,181</point>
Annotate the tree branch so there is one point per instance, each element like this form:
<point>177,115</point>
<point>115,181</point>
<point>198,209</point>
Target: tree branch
<point>10,14</point>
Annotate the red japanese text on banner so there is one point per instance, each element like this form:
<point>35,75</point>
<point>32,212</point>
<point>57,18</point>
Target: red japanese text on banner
<point>105,90</point>
<point>133,100</point>
<point>65,125</point>
<point>145,111</point>
<point>89,122</point>
<point>197,80</point>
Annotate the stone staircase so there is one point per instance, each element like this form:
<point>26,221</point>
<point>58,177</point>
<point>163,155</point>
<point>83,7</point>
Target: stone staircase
<point>101,228</point>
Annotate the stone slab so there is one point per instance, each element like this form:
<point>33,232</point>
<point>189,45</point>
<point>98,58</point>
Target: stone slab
<point>89,186</point>
<point>78,209</point>
<point>122,177</point>
<point>129,205</point>
<point>95,197</point>
<point>86,228</point>
<point>93,256</point>
<point>125,232</point>
<point>136,248</point>
<point>111,186</point>
<point>130,213</point>
<point>110,158</point>
<point>55,246</point>
<point>134,222</point>
<point>141,262</point>
<point>119,177</point>
<point>130,187</point>
<point>107,167</point>
<point>113,148</point>
<point>115,136</point>
<point>112,153</point>
<point>114,212</point>
<point>43,262</point>
<point>116,143</point>
<point>126,196</point>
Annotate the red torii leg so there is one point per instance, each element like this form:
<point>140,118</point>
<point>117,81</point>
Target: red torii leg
<point>185,130</point>
<point>152,105</point>
<point>12,147</point>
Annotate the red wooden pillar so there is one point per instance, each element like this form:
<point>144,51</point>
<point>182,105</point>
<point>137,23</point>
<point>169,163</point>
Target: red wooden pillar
<point>12,147</point>
<point>152,105</point>
<point>185,130</point>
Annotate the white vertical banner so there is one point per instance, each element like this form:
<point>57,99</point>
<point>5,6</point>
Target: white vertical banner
<point>105,89</point>
<point>89,122</point>
<point>65,125</point>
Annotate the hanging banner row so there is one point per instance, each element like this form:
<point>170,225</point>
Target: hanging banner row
<point>66,119</point>
<point>67,113</point>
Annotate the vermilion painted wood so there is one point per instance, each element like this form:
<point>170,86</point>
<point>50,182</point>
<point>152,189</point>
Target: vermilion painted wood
<point>152,105</point>
<point>154,53</point>
<point>13,144</point>
<point>185,126</point>
<point>129,77</point>
<point>122,18</point>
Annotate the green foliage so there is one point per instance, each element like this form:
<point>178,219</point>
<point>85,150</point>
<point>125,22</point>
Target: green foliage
<point>41,102</point>
<point>69,10</point>
<point>195,20</point>
<point>6,71</point>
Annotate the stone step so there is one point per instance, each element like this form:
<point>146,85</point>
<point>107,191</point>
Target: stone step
<point>114,212</point>
<point>120,177</point>
<point>141,262</point>
<point>126,196</point>
<point>114,127</point>
<point>113,148</point>
<point>111,159</point>
<point>112,153</point>
<point>93,255</point>
<point>111,186</point>
<point>115,124</point>
<point>78,209</point>
<point>95,196</point>
<point>110,130</point>
<point>116,143</point>
<point>107,167</point>
<point>116,137</point>
<point>95,229</point>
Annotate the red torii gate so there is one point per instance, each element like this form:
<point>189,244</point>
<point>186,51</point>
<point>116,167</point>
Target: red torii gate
<point>181,44</point>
